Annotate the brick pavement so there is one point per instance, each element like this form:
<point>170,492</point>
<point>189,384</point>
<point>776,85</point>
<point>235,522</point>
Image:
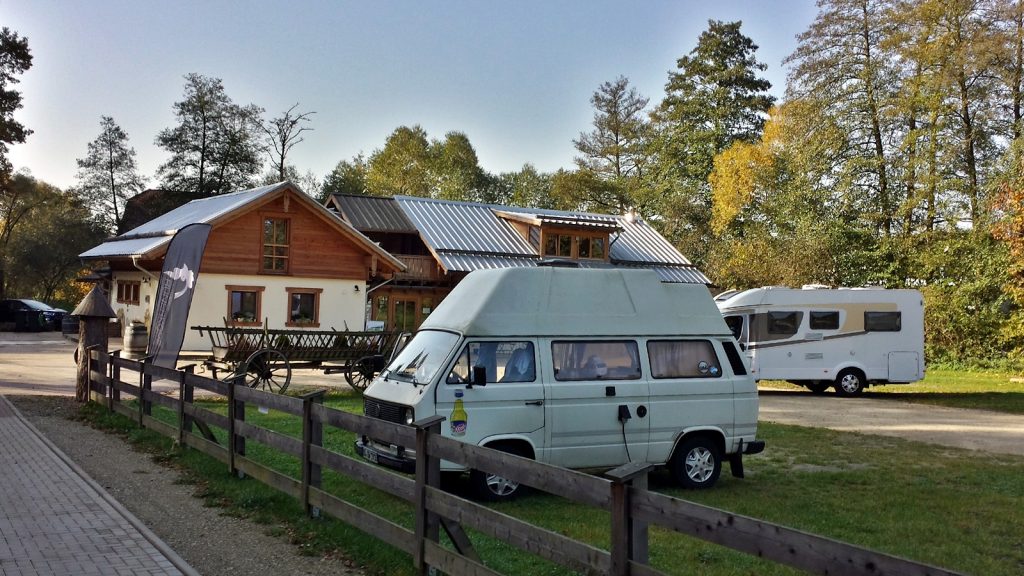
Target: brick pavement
<point>55,520</point>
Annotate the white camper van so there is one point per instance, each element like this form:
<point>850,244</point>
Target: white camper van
<point>849,338</point>
<point>577,368</point>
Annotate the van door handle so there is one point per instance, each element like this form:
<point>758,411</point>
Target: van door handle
<point>535,403</point>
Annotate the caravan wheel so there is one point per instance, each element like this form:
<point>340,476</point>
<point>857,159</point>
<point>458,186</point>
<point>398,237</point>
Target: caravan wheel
<point>850,382</point>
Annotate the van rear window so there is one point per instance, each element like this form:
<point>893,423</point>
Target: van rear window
<point>596,360</point>
<point>683,359</point>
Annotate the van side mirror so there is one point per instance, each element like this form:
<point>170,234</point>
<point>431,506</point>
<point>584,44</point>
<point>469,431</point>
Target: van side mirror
<point>479,376</point>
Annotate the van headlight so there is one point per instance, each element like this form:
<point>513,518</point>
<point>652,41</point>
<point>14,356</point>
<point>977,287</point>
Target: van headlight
<point>409,416</point>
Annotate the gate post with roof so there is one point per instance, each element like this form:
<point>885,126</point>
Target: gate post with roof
<point>94,313</point>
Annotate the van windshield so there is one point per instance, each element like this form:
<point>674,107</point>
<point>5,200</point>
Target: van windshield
<point>422,357</point>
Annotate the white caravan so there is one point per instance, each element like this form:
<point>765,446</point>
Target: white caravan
<point>577,368</point>
<point>849,338</point>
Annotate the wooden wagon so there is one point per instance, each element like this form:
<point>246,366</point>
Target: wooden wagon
<point>267,357</point>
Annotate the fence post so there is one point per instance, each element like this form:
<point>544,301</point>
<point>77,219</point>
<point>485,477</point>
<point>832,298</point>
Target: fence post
<point>111,385</point>
<point>428,473</point>
<point>187,396</point>
<point>115,378</point>
<point>236,413</point>
<point>145,384</point>
<point>629,536</point>
<point>312,435</point>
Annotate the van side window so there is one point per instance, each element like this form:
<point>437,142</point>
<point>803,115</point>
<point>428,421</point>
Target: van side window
<point>504,361</point>
<point>821,320</point>
<point>596,360</point>
<point>767,326</point>
<point>882,321</point>
<point>735,360</point>
<point>683,359</point>
<point>783,323</point>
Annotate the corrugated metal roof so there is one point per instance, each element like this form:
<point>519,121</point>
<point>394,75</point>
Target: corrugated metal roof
<point>470,236</point>
<point>463,226</point>
<point>373,213</point>
<point>157,232</point>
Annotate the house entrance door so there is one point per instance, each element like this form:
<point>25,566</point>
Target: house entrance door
<point>405,315</point>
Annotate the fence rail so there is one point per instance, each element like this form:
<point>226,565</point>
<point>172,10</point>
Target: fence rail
<point>623,493</point>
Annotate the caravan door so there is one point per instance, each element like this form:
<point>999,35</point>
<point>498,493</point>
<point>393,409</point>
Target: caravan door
<point>904,367</point>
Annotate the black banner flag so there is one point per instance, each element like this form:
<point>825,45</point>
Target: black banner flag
<point>174,294</point>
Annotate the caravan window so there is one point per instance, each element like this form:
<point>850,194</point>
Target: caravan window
<point>683,359</point>
<point>783,323</point>
<point>824,320</point>
<point>735,324</point>
<point>882,321</point>
<point>596,360</point>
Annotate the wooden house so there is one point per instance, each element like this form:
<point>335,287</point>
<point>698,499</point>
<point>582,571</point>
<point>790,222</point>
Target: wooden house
<point>273,254</point>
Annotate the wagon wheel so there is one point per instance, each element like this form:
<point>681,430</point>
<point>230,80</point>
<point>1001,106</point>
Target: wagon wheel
<point>359,373</point>
<point>267,369</point>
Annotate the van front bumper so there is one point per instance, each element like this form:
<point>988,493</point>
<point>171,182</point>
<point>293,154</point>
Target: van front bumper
<point>396,461</point>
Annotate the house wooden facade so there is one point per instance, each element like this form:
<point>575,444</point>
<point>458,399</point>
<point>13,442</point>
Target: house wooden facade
<point>273,254</point>
<point>440,242</point>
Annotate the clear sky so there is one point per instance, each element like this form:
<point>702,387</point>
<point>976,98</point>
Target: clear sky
<point>515,76</point>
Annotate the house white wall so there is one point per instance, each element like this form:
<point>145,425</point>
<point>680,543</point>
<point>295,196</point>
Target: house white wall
<point>342,302</point>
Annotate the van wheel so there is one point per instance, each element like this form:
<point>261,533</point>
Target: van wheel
<point>818,386</point>
<point>849,382</point>
<point>697,463</point>
<point>490,487</point>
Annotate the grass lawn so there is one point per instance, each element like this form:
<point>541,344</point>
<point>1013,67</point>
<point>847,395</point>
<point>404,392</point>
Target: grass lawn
<point>956,388</point>
<point>958,509</point>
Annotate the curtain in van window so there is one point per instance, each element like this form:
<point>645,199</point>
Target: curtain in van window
<point>683,359</point>
<point>596,360</point>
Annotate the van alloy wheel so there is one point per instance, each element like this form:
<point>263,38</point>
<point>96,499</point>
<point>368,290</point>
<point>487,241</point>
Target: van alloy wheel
<point>491,487</point>
<point>697,463</point>
<point>849,383</point>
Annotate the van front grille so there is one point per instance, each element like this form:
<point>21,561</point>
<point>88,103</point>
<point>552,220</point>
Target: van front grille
<point>383,410</point>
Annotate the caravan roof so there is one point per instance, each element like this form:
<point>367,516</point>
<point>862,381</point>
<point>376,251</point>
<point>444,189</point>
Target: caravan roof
<point>775,295</point>
<point>575,302</point>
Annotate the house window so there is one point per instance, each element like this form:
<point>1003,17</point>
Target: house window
<point>304,307</point>
<point>558,245</point>
<point>244,305</point>
<point>591,247</point>
<point>275,245</point>
<point>128,291</point>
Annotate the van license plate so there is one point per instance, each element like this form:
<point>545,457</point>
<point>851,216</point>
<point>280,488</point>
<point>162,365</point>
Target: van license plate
<point>370,455</point>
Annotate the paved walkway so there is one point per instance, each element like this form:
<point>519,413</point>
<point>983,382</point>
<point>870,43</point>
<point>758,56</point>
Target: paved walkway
<point>56,520</point>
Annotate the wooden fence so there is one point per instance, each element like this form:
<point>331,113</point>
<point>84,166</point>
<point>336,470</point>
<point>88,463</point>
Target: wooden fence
<point>623,492</point>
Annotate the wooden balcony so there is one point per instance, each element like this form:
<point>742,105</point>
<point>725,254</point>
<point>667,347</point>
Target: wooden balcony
<point>419,269</point>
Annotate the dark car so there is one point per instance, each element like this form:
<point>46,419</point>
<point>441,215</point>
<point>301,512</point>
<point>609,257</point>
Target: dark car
<point>30,315</point>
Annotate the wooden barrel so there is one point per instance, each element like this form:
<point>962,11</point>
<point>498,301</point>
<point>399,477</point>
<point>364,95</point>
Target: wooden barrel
<point>136,339</point>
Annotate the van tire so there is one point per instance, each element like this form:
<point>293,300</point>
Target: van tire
<point>849,382</point>
<point>490,487</point>
<point>697,463</point>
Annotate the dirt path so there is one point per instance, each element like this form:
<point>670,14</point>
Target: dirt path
<point>958,427</point>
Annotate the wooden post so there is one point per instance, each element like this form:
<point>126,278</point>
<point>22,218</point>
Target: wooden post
<point>428,473</point>
<point>187,395</point>
<point>236,413</point>
<point>629,536</point>
<point>115,378</point>
<point>312,435</point>
<point>93,313</point>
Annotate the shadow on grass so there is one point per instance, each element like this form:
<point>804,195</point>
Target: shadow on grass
<point>1009,402</point>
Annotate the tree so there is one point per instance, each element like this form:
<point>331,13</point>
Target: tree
<point>715,99</point>
<point>348,177</point>
<point>402,166</point>
<point>62,216</point>
<point>15,59</point>
<point>108,175</point>
<point>413,165</point>
<point>616,150</point>
<point>281,134</point>
<point>214,148</point>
